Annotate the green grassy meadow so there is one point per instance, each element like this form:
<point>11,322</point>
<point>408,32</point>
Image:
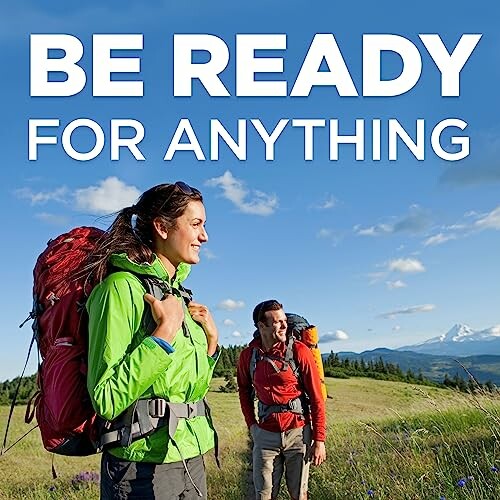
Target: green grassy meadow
<point>386,440</point>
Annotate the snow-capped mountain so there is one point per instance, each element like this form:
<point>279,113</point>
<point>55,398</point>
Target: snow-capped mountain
<point>461,340</point>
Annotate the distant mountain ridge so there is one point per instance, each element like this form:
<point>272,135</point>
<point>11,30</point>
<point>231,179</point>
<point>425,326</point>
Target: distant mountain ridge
<point>484,367</point>
<point>460,341</point>
<point>477,350</point>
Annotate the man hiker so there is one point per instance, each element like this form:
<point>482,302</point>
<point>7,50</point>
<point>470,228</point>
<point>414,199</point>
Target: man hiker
<point>289,432</point>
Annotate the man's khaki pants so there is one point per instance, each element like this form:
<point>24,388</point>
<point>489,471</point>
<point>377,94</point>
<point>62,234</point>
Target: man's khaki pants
<point>275,451</point>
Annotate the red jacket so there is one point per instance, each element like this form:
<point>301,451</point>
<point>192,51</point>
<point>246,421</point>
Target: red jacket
<point>273,387</point>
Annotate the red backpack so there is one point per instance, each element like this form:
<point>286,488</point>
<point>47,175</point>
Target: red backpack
<point>68,423</point>
<point>64,412</point>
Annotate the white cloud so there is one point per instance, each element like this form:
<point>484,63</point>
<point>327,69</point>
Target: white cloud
<point>376,277</point>
<point>329,234</point>
<point>393,285</point>
<point>255,203</point>
<point>108,196</point>
<point>439,239</point>
<point>396,328</point>
<point>490,220</point>
<point>416,221</point>
<point>236,333</point>
<point>457,227</point>
<point>324,233</point>
<point>330,202</point>
<point>57,220</point>
<point>473,223</point>
<point>377,230</point>
<point>406,266</point>
<point>495,331</point>
<point>231,305</point>
<point>486,171</point>
<point>409,310</point>
<point>228,322</point>
<point>333,336</point>
<point>60,195</point>
<point>208,254</point>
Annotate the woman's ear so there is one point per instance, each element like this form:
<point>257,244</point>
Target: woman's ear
<point>160,228</point>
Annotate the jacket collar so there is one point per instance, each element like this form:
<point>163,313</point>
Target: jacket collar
<point>156,268</point>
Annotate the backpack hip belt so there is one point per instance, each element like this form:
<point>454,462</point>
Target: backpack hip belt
<point>147,415</point>
<point>294,406</point>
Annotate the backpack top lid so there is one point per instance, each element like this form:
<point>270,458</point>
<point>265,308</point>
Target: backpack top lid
<point>296,324</point>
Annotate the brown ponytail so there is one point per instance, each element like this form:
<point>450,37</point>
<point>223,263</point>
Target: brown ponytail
<point>132,231</point>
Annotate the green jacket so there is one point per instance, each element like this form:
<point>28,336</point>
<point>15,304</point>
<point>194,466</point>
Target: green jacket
<point>125,364</point>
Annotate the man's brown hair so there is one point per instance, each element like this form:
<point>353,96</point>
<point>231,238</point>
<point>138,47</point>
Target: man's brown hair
<point>261,309</point>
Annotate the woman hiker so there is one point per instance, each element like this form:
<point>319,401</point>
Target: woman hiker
<point>152,380</point>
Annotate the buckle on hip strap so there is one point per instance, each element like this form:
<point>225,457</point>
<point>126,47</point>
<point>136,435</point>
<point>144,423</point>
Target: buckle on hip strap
<point>295,405</point>
<point>157,407</point>
<point>191,410</point>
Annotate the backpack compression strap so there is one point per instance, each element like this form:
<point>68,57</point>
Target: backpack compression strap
<point>298,405</point>
<point>288,360</point>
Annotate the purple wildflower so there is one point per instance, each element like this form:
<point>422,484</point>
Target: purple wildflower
<point>85,478</point>
<point>494,469</point>
<point>461,482</point>
<point>442,497</point>
<point>52,488</point>
<point>370,493</point>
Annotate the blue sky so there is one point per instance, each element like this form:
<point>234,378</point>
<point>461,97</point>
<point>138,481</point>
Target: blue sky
<point>375,253</point>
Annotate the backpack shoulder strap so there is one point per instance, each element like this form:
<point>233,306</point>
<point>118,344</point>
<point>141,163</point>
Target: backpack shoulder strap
<point>186,294</point>
<point>289,358</point>
<point>154,286</point>
<point>159,288</point>
<point>253,362</point>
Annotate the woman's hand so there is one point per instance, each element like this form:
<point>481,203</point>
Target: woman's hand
<point>201,314</point>
<point>168,314</point>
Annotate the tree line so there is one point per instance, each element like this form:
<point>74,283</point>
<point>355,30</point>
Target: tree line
<point>333,365</point>
<point>27,388</point>
<point>337,367</point>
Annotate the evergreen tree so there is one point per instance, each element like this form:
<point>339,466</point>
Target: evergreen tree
<point>231,385</point>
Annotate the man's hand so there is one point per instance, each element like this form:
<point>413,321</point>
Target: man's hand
<point>317,454</point>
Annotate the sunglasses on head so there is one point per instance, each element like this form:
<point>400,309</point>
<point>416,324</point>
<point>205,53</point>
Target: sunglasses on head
<point>187,189</point>
<point>264,306</point>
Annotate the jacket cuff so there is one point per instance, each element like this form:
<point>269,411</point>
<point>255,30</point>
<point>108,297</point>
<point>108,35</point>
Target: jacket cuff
<point>212,360</point>
<point>319,435</point>
<point>163,344</point>
<point>215,355</point>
